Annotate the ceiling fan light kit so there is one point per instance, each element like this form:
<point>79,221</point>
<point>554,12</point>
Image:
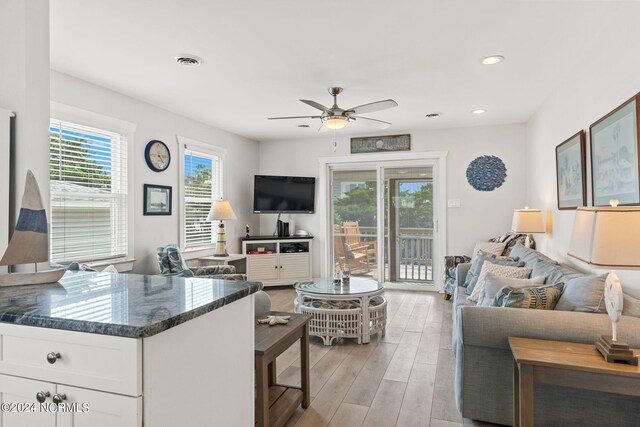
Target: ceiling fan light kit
<point>337,118</point>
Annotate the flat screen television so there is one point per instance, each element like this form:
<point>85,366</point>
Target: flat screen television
<point>284,194</point>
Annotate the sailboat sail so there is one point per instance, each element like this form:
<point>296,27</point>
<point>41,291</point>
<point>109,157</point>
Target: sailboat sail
<point>30,240</point>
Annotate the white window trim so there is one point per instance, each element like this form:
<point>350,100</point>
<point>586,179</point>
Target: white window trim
<point>88,118</point>
<point>204,148</point>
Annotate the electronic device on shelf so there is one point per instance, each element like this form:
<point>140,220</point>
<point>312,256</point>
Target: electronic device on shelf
<point>302,233</point>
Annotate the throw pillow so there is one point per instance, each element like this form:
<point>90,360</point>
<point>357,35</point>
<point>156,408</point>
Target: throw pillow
<point>585,293</point>
<point>476,266</point>
<point>631,306</point>
<point>493,248</point>
<point>493,283</point>
<point>540,297</point>
<point>501,270</point>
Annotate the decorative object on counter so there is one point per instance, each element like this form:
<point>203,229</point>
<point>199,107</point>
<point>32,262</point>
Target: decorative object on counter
<point>571,172</point>
<point>221,210</point>
<point>157,155</point>
<point>486,173</point>
<point>608,237</point>
<point>157,199</point>
<point>346,276</point>
<point>29,243</point>
<point>376,144</point>
<point>275,320</point>
<point>247,231</point>
<point>615,154</point>
<point>527,221</point>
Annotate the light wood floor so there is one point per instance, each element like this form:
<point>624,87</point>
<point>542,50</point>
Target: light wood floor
<point>402,379</point>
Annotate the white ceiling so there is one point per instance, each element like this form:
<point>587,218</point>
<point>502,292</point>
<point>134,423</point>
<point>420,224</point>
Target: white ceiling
<point>262,56</point>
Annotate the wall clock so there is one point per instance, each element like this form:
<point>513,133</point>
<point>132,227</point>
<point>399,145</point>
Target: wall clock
<point>157,155</point>
<point>486,173</point>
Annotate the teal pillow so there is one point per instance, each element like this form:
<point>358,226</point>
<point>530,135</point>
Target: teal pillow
<point>475,269</point>
<point>536,297</point>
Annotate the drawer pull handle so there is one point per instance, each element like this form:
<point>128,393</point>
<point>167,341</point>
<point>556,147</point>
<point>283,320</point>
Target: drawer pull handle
<point>59,398</point>
<point>41,396</point>
<point>53,357</point>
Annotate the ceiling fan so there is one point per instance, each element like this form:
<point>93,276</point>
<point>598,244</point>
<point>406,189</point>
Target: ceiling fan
<point>337,118</point>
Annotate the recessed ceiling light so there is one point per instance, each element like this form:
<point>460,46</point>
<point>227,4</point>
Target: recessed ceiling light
<point>188,60</point>
<point>479,111</point>
<point>492,60</point>
<point>303,126</point>
<point>432,115</point>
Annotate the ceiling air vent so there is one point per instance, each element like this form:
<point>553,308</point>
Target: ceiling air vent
<point>189,60</point>
<point>432,115</point>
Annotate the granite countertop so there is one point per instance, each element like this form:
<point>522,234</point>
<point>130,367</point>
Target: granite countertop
<point>126,305</point>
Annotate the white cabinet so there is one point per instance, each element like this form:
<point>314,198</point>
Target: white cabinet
<point>274,261</point>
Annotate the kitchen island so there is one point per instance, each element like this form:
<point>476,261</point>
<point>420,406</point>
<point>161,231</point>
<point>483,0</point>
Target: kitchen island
<point>127,350</point>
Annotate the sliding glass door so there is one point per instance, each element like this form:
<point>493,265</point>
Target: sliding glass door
<point>382,222</point>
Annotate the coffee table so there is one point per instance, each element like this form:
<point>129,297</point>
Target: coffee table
<point>343,311</point>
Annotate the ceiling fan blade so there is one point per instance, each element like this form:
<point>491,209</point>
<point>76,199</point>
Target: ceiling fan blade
<point>314,104</point>
<point>294,117</point>
<point>374,106</point>
<point>379,124</point>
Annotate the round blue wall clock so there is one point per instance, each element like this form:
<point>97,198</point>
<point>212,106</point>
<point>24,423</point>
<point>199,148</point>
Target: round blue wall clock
<point>486,173</point>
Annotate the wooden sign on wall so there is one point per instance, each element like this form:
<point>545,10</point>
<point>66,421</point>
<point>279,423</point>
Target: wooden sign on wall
<point>376,144</point>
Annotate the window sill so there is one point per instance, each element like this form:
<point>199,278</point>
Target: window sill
<point>194,253</point>
<point>123,265</point>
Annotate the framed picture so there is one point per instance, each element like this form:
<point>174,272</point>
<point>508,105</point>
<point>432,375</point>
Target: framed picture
<point>571,172</point>
<point>377,144</point>
<point>614,156</point>
<point>157,200</point>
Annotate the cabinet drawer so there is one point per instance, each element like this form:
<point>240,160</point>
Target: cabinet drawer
<point>104,409</point>
<point>100,362</point>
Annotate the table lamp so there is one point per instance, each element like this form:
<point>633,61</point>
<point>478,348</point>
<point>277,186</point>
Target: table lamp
<point>608,237</point>
<point>527,221</point>
<point>221,210</point>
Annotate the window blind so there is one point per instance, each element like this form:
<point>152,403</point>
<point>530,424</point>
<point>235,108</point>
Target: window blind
<point>88,171</point>
<point>202,185</point>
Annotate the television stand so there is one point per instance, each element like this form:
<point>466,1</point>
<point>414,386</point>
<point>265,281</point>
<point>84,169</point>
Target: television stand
<point>277,261</point>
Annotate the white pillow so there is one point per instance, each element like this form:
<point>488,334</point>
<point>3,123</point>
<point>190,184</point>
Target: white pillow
<point>493,283</point>
<point>498,270</point>
<point>110,269</point>
<point>489,247</point>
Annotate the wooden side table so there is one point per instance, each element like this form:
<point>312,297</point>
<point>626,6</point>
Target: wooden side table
<point>275,403</point>
<point>564,364</point>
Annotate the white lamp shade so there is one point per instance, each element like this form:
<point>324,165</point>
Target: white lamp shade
<point>221,210</point>
<point>527,221</point>
<point>607,237</point>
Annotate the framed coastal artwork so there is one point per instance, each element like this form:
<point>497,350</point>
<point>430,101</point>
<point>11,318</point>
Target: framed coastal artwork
<point>614,156</point>
<point>571,172</point>
<point>157,200</point>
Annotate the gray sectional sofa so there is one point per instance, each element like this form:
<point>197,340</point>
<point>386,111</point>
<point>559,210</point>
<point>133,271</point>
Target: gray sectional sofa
<point>484,364</point>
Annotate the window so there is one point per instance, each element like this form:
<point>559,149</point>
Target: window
<point>202,185</point>
<point>88,170</point>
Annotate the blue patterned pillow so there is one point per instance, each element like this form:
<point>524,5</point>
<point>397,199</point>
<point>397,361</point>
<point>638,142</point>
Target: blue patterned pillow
<point>536,297</point>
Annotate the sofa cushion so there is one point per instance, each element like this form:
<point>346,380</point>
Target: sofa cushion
<point>536,297</point>
<point>528,256</point>
<point>501,270</point>
<point>554,272</point>
<point>493,283</point>
<point>631,306</point>
<point>585,293</point>
<point>476,267</point>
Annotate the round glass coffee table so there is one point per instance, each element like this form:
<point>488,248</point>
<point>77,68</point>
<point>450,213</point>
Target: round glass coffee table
<point>355,311</point>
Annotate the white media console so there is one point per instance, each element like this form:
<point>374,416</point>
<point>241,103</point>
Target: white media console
<point>276,261</point>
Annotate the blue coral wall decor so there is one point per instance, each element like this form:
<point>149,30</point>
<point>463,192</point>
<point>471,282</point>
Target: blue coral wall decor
<point>486,173</point>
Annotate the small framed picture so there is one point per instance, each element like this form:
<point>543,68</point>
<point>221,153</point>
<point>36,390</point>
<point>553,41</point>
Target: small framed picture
<point>157,200</point>
<point>571,172</point>
<point>615,154</point>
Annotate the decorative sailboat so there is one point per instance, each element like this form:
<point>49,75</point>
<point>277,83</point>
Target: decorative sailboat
<point>30,241</point>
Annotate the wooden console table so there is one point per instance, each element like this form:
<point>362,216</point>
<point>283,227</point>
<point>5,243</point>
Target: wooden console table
<point>564,364</point>
<point>275,403</point>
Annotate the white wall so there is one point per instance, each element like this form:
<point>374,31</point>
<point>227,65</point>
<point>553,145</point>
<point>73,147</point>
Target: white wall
<point>606,76</point>
<point>482,214</point>
<point>24,89</point>
<point>151,122</point>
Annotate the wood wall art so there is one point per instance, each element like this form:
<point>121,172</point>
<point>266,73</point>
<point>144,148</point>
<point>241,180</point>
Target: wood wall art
<point>376,144</point>
<point>615,156</point>
<point>571,172</point>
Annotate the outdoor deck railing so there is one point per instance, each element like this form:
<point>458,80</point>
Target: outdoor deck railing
<point>414,248</point>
